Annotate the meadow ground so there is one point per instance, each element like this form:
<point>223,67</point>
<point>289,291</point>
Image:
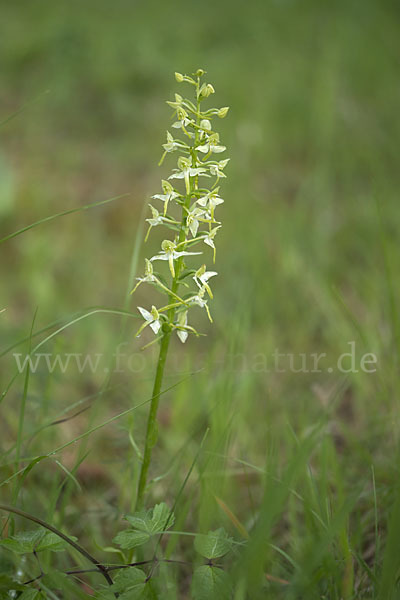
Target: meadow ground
<point>300,464</point>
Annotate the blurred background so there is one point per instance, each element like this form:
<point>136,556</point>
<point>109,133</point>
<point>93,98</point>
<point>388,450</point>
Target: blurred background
<point>308,256</point>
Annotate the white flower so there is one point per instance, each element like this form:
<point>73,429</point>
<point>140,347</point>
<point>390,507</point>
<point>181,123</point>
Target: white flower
<point>198,300</point>
<point>209,238</point>
<point>148,275</point>
<point>156,219</point>
<point>172,144</point>
<point>201,278</point>
<point>204,129</point>
<point>217,168</point>
<point>170,254</point>
<point>183,120</point>
<point>185,170</point>
<point>209,147</point>
<point>151,318</point>
<point>182,322</point>
<point>169,194</point>
<point>212,145</point>
<point>192,220</point>
<point>210,201</point>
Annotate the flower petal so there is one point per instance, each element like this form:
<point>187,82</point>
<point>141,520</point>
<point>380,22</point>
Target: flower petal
<point>145,313</point>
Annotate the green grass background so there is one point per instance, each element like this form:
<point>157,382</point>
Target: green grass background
<point>308,261</point>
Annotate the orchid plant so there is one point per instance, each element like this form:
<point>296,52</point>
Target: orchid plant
<point>186,207</point>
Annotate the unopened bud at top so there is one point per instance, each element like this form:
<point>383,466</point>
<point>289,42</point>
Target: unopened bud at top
<point>223,112</point>
<point>206,90</point>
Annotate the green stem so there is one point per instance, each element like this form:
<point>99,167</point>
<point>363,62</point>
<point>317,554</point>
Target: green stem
<point>152,427</point>
<point>151,432</point>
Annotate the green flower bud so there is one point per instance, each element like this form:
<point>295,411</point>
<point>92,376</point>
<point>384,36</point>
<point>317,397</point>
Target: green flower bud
<point>207,90</point>
<point>223,112</point>
<point>200,73</point>
<point>179,77</point>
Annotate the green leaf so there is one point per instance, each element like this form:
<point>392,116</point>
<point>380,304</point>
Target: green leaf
<point>210,583</point>
<point>71,587</point>
<point>214,544</point>
<point>6,564</point>
<point>23,542</point>
<point>131,584</point>
<point>130,539</point>
<point>53,542</point>
<point>6,585</point>
<point>140,520</point>
<point>31,594</point>
<point>37,540</point>
<point>162,518</point>
<point>153,521</point>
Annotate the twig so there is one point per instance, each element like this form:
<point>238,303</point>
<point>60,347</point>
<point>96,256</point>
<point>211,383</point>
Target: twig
<point>85,553</point>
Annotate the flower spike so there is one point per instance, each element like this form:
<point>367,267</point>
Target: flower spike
<point>188,209</point>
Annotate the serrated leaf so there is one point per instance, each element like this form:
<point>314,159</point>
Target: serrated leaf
<point>140,520</point>
<point>214,544</point>
<point>23,542</point>
<point>162,518</point>
<point>37,540</point>
<point>129,538</point>
<point>131,584</point>
<point>153,521</point>
<point>210,583</point>
<point>53,542</point>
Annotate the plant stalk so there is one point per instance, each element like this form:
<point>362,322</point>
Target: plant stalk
<point>151,432</point>
<point>152,426</point>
